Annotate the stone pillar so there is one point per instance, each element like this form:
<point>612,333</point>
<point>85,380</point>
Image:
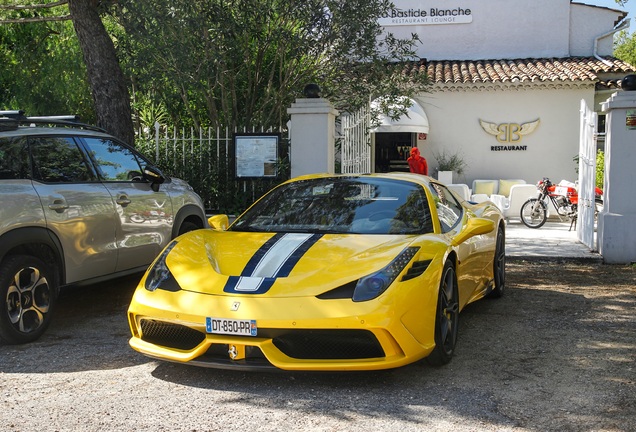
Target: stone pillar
<point>312,132</point>
<point>616,232</point>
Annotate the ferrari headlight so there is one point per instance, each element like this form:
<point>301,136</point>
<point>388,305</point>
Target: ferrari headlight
<point>159,275</point>
<point>371,286</point>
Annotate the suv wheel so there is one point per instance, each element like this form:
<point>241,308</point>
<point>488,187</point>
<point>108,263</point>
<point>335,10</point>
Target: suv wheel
<point>27,296</point>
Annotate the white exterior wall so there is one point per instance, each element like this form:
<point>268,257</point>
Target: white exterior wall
<point>616,234</point>
<point>454,119</point>
<point>506,29</point>
<point>500,29</point>
<point>588,23</point>
<point>312,132</point>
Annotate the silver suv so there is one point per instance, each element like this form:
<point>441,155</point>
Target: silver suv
<point>76,206</point>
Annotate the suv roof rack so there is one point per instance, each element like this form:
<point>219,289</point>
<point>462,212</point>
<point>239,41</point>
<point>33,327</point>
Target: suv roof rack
<point>11,120</point>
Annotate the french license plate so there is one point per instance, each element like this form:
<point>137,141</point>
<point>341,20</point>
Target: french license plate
<point>230,326</point>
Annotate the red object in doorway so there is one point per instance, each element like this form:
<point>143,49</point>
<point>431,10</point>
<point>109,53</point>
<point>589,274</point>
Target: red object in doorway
<point>417,164</point>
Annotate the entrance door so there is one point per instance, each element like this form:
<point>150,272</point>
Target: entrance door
<point>392,149</point>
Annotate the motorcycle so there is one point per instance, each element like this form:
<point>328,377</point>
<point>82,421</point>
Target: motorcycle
<point>565,199</point>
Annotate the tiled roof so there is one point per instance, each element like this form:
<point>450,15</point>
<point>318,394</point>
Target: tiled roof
<point>543,70</point>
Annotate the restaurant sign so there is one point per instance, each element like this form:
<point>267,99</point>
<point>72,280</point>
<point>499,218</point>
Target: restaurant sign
<point>427,16</point>
<point>509,134</point>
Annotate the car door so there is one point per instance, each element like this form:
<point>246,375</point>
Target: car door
<point>471,253</point>
<point>77,207</point>
<point>144,215</point>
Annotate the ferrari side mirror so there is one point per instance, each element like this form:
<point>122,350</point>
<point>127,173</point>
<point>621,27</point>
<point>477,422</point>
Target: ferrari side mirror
<point>474,226</point>
<point>219,222</point>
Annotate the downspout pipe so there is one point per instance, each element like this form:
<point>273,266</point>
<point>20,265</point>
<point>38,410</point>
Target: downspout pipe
<point>621,26</point>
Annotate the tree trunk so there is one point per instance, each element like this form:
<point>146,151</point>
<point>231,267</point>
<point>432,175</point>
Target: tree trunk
<point>105,77</point>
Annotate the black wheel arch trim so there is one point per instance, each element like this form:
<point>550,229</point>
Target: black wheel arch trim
<point>184,213</point>
<point>26,240</point>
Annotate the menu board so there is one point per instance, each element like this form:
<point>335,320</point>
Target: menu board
<point>256,155</point>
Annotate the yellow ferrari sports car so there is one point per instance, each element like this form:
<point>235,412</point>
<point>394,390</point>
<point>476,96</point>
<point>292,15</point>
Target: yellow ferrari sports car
<point>324,273</point>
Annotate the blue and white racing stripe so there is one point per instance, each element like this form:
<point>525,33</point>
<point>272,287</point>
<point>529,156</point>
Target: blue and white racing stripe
<point>276,258</point>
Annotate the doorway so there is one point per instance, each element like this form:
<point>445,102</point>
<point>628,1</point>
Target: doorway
<point>392,149</point>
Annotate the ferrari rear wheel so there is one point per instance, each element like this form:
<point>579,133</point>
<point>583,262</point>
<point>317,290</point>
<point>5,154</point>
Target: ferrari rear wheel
<point>499,265</point>
<point>27,298</point>
<point>446,318</point>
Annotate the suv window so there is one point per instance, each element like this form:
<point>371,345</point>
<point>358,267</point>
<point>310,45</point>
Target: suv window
<point>115,162</point>
<point>58,160</point>
<point>14,159</point>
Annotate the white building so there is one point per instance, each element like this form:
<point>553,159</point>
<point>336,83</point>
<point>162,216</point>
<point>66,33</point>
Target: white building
<point>508,77</point>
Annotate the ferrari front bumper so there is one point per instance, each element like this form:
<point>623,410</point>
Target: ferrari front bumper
<point>293,333</point>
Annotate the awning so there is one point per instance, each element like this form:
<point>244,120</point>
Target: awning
<point>414,120</point>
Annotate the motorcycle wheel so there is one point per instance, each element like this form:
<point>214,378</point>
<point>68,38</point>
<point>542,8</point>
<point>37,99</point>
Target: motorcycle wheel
<point>534,213</point>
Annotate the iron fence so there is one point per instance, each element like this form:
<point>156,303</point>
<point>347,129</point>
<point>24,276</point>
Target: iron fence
<point>205,158</point>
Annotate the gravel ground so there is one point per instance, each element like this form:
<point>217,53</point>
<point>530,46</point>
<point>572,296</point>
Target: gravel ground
<point>557,353</point>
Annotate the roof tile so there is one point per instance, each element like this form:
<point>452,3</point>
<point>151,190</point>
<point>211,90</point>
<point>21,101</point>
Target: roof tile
<point>566,69</point>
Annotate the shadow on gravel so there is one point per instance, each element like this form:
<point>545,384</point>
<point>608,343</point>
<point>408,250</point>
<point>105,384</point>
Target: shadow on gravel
<point>89,331</point>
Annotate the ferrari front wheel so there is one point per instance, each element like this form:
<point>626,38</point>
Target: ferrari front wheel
<point>446,318</point>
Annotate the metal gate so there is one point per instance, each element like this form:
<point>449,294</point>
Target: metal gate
<point>355,145</point>
<point>587,177</point>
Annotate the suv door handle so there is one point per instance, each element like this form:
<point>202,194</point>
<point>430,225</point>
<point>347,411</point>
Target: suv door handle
<point>123,200</point>
<point>59,205</point>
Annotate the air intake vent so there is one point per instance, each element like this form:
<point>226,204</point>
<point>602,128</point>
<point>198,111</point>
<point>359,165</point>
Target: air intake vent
<point>170,335</point>
<point>342,292</point>
<point>416,270</point>
<point>329,344</point>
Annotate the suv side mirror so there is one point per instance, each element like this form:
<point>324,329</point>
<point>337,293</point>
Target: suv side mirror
<point>154,176</point>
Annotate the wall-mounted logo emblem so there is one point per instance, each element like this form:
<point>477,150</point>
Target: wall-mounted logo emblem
<point>509,132</point>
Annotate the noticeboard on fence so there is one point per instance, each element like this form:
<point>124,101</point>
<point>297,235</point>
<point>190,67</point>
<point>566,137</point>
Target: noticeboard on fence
<point>256,154</point>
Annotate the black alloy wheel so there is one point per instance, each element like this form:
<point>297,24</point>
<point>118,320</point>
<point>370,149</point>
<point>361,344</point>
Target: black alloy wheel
<point>534,213</point>
<point>446,318</point>
<point>499,265</point>
<point>28,293</point>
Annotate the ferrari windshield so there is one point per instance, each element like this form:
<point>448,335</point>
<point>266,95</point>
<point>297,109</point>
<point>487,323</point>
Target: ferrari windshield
<point>341,205</point>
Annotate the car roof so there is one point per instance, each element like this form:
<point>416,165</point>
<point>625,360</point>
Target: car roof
<point>403,176</point>
<point>61,131</point>
<point>15,123</point>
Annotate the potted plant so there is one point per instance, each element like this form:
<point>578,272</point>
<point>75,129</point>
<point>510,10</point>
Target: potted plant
<point>449,164</point>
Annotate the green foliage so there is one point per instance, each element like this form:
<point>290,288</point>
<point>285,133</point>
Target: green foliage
<point>243,63</point>
<point>600,169</point>
<point>147,112</point>
<point>450,162</point>
<point>625,47</point>
<point>43,71</point>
